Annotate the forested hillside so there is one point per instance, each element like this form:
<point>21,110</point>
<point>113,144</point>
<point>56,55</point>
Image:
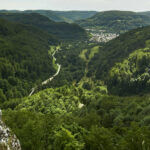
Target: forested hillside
<point>119,49</point>
<point>147,13</point>
<point>132,76</point>
<point>115,21</point>
<point>72,16</point>
<point>24,58</point>
<point>58,16</point>
<point>124,63</point>
<point>53,119</point>
<point>86,96</point>
<point>64,31</point>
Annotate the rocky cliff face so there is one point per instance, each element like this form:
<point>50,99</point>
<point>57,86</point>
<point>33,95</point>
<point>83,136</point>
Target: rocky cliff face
<point>8,141</point>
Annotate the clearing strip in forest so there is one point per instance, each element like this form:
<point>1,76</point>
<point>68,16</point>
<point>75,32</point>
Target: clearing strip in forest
<point>51,52</point>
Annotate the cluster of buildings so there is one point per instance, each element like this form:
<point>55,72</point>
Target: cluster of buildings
<point>101,35</point>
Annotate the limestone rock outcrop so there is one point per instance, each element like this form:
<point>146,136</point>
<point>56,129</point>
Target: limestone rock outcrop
<point>8,141</point>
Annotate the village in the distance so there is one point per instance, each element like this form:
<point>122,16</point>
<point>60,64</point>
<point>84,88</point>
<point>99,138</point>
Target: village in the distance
<point>101,35</point>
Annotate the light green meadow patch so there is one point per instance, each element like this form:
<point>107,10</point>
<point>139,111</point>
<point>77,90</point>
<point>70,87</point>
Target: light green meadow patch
<point>148,43</point>
<point>93,51</point>
<point>82,55</point>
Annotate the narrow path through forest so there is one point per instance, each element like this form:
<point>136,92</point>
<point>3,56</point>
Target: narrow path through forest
<point>49,79</point>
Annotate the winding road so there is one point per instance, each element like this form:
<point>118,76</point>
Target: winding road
<point>49,79</point>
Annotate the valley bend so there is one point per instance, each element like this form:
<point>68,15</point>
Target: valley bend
<point>75,75</point>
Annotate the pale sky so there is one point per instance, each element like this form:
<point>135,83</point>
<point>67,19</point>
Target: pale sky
<point>99,5</point>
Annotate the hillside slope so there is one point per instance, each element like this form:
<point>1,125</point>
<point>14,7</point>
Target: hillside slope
<point>58,16</point>
<point>61,30</point>
<point>24,58</point>
<point>55,120</point>
<point>72,16</point>
<point>117,50</point>
<point>115,21</point>
<point>147,13</point>
<point>132,75</point>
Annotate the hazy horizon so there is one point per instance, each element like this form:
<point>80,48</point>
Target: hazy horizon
<point>71,10</point>
<point>76,5</point>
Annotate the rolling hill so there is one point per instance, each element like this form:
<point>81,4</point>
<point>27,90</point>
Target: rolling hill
<point>115,21</point>
<point>146,13</point>
<point>58,16</point>
<point>124,62</point>
<point>99,101</point>
<point>72,16</point>
<point>62,30</point>
<point>24,59</point>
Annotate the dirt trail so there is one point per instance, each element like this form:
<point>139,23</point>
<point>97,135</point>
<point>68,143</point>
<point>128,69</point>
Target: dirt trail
<point>50,78</point>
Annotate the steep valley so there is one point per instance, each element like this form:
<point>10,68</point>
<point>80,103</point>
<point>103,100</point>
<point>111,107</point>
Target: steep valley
<point>59,90</point>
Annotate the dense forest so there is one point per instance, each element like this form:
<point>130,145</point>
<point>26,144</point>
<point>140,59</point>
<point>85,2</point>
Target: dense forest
<point>62,30</point>
<point>118,49</point>
<point>24,59</point>
<point>99,100</point>
<point>53,119</point>
<point>116,21</point>
<point>58,16</point>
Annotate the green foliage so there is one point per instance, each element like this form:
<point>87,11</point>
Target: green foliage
<point>83,55</point>
<point>117,50</point>
<point>132,75</point>
<point>105,122</point>
<point>99,139</point>
<point>71,16</point>
<point>3,147</point>
<point>101,89</point>
<point>64,139</point>
<point>93,51</point>
<point>24,58</point>
<point>52,119</point>
<point>58,16</point>
<point>116,21</point>
<point>52,101</point>
<point>30,128</point>
<point>62,30</point>
<point>86,85</point>
<point>2,96</point>
<point>72,66</point>
<point>38,131</point>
